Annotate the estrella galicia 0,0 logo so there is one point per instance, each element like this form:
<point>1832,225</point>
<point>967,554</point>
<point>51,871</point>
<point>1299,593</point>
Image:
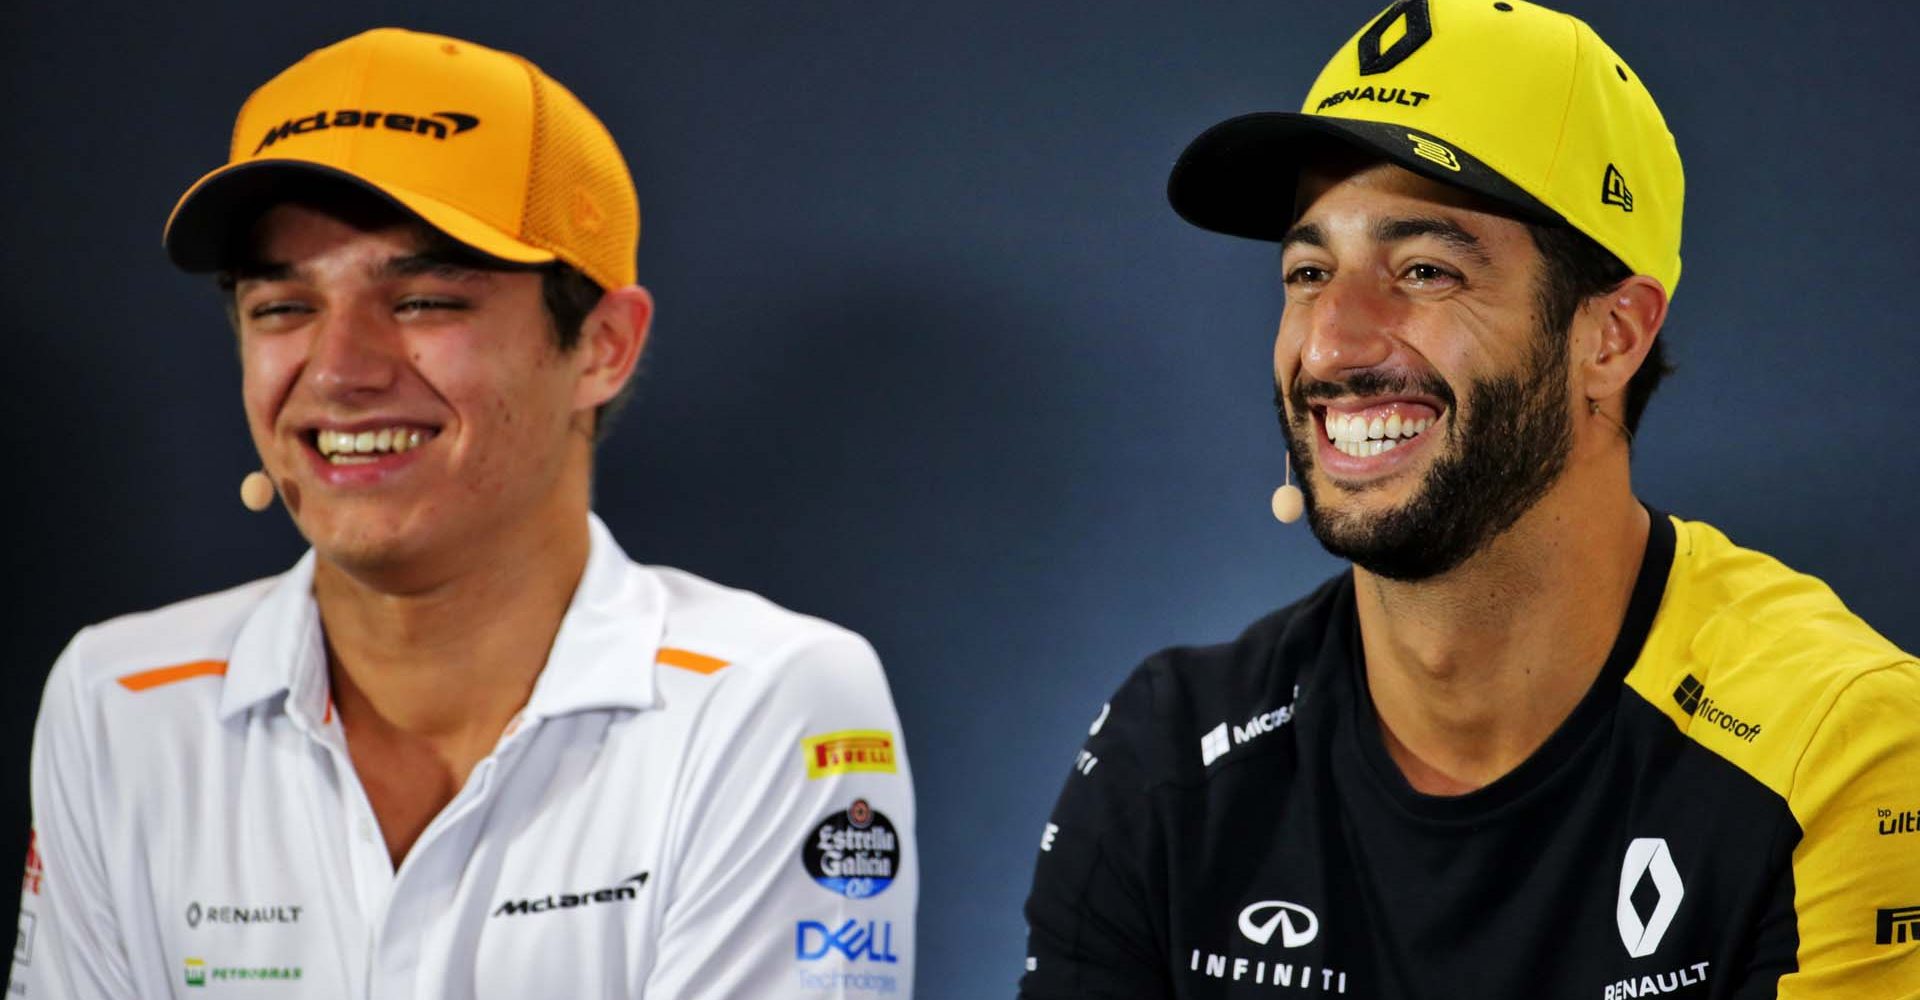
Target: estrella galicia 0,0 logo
<point>854,853</point>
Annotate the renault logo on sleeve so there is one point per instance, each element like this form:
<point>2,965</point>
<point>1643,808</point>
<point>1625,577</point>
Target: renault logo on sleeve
<point>1647,858</point>
<point>1297,924</point>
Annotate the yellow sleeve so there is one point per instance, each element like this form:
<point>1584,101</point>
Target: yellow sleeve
<point>1856,872</point>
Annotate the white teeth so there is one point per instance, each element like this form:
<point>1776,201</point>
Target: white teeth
<point>356,447</point>
<point>1353,434</point>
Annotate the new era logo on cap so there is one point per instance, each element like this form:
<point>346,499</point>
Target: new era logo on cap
<point>1613,189</point>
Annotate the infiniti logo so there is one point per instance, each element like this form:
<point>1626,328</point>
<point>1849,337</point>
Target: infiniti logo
<point>1297,924</point>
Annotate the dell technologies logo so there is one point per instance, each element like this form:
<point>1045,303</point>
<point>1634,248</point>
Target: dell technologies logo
<point>354,118</point>
<point>852,940</point>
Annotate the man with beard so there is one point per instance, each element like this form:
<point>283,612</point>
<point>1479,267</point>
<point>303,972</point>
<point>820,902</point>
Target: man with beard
<point>1540,741</point>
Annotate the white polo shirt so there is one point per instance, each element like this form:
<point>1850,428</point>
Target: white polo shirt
<point>705,796</point>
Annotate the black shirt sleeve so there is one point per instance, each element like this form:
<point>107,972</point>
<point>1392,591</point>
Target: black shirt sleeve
<point>1095,922</point>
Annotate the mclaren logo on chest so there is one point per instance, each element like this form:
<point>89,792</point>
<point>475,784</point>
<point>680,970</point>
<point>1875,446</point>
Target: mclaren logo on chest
<point>628,888</point>
<point>435,124</point>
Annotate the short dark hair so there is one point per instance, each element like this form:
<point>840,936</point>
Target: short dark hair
<point>1574,269</point>
<point>567,294</point>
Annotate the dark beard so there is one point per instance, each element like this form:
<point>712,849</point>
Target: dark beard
<point>1508,447</point>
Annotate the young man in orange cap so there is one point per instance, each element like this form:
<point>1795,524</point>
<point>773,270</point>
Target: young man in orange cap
<point>465,747</point>
<point>1541,741</point>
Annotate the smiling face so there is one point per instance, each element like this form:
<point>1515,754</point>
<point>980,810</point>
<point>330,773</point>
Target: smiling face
<point>410,408</point>
<point>1424,405</point>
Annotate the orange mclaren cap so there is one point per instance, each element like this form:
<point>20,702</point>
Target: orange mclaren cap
<point>479,144</point>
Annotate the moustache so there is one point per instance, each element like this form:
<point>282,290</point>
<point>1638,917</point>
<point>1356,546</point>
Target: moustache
<point>1308,390</point>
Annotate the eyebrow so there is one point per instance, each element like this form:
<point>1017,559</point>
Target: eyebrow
<point>1305,232</point>
<point>1397,231</point>
<point>437,263</point>
<point>1445,230</point>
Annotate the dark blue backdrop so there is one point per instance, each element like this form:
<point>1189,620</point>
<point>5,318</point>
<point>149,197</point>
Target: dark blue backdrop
<point>933,358</point>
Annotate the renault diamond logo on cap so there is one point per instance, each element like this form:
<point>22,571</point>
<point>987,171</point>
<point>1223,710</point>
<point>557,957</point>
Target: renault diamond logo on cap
<point>1297,924</point>
<point>1427,149</point>
<point>1613,190</point>
<point>356,118</point>
<point>1419,28</point>
<point>1647,857</point>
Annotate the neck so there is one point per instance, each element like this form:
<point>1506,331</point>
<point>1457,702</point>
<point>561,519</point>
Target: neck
<point>1471,671</point>
<point>451,662</point>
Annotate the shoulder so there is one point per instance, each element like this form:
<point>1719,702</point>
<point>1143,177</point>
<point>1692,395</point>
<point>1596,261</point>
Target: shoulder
<point>1757,661</point>
<point>148,658</point>
<point>1181,708</point>
<point>747,631</point>
<point>752,661</point>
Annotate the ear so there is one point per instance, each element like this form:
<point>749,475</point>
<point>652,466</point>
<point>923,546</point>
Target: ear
<point>612,338</point>
<point>1617,331</point>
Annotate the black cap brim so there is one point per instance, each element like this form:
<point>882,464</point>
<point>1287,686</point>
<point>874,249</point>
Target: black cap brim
<point>212,227</point>
<point>1239,176</point>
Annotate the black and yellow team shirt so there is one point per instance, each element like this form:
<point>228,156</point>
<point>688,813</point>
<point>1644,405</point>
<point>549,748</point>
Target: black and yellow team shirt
<point>1732,810</point>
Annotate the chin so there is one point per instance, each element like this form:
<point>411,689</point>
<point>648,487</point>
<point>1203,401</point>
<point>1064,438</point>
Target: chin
<point>363,548</point>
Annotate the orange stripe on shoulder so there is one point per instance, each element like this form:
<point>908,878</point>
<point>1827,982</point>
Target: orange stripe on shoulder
<point>162,676</point>
<point>687,659</point>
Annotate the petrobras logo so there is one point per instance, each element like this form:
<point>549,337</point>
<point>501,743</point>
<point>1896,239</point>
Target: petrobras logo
<point>849,751</point>
<point>199,972</point>
<point>854,853</point>
<point>852,941</point>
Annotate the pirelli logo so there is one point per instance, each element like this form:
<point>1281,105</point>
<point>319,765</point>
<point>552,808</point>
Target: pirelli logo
<point>848,751</point>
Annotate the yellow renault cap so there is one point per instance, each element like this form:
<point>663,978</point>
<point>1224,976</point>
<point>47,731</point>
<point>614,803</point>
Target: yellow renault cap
<point>1519,103</point>
<point>478,143</point>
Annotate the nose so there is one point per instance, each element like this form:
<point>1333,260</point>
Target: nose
<point>355,352</point>
<point>1346,328</point>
